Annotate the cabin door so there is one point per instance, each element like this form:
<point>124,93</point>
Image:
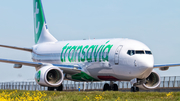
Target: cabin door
<point>117,53</point>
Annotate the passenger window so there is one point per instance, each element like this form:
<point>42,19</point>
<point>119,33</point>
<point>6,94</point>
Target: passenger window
<point>148,52</point>
<point>139,52</point>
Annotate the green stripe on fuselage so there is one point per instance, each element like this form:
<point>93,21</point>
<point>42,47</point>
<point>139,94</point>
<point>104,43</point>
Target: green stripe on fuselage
<point>83,77</point>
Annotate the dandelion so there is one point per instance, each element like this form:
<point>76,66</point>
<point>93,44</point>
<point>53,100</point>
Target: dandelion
<point>97,98</point>
<point>26,96</point>
<point>86,98</point>
<point>170,94</point>
<point>118,99</point>
<point>54,93</point>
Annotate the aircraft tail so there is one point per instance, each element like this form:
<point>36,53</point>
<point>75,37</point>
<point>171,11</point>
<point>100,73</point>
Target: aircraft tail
<point>41,32</point>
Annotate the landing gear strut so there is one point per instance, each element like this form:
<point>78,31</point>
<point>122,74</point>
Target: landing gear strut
<point>134,89</point>
<point>60,88</point>
<point>50,88</point>
<point>112,86</point>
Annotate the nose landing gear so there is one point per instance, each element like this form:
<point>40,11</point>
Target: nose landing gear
<point>134,89</point>
<point>111,86</point>
<point>134,82</point>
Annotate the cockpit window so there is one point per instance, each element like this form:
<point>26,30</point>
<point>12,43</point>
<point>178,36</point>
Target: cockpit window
<point>139,52</point>
<point>148,52</point>
<point>133,52</point>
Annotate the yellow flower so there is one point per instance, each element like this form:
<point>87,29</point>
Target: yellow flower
<point>118,99</point>
<point>170,94</point>
<point>86,98</point>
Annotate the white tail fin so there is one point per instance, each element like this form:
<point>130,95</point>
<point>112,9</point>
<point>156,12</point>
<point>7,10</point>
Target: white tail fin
<point>41,32</point>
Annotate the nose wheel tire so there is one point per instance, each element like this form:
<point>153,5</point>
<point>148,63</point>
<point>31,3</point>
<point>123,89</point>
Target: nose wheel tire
<point>134,89</point>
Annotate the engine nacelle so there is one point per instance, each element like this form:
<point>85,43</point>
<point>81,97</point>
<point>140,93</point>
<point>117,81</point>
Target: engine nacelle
<point>50,76</point>
<point>151,82</point>
<point>164,68</point>
<point>17,65</point>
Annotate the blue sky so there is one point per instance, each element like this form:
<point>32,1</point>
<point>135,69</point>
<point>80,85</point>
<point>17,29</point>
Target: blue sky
<point>155,23</point>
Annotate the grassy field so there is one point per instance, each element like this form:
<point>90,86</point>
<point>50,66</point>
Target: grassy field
<point>17,95</point>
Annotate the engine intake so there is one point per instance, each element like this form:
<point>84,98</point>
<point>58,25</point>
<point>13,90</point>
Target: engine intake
<point>151,82</point>
<point>53,76</point>
<point>50,76</point>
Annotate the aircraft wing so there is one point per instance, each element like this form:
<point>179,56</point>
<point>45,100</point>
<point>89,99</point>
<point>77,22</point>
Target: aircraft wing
<point>166,65</point>
<point>18,48</point>
<point>66,68</point>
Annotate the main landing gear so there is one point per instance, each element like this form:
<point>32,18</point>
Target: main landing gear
<point>134,89</point>
<point>60,88</point>
<point>111,86</point>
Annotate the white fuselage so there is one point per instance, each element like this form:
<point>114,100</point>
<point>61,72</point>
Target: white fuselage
<point>102,59</point>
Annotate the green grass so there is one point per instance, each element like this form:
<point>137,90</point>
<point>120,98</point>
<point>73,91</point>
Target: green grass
<point>104,96</point>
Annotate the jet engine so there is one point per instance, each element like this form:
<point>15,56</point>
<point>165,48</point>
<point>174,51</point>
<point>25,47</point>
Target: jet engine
<point>50,76</point>
<point>151,82</point>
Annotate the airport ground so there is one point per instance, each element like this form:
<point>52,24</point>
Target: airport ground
<point>22,95</point>
<point>169,90</point>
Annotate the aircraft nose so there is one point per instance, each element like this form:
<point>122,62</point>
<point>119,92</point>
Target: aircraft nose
<point>146,62</point>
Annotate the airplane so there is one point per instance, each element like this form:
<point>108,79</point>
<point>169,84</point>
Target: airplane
<point>93,60</point>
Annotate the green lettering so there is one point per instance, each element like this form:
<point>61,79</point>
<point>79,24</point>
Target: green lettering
<point>101,52</point>
<point>79,53</point>
<point>71,54</point>
<point>89,53</point>
<point>69,47</point>
<point>107,54</point>
<point>83,53</point>
<point>63,51</point>
<point>96,52</point>
<point>107,41</point>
